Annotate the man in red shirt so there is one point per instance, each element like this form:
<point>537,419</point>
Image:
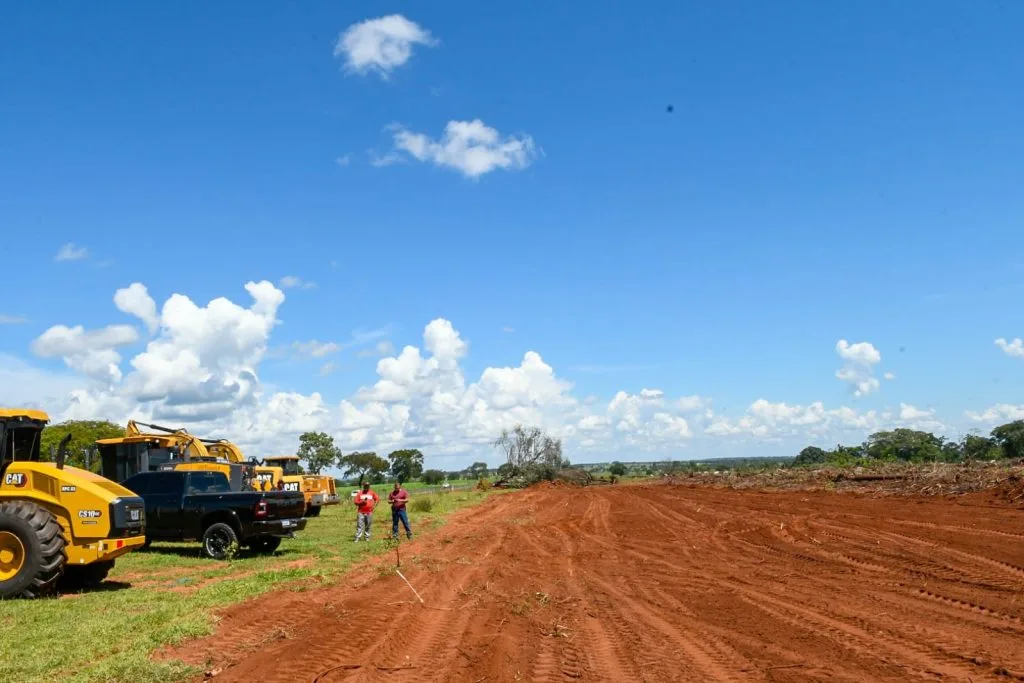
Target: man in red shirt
<point>398,498</point>
<point>366,500</point>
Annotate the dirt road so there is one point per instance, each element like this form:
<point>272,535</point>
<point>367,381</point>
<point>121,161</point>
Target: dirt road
<point>662,583</point>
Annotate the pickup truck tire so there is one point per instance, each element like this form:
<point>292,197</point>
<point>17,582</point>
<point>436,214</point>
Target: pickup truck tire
<point>32,555</point>
<point>220,541</point>
<point>78,577</point>
<point>265,545</point>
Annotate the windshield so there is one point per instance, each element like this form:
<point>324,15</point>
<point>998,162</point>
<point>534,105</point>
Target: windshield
<point>21,444</point>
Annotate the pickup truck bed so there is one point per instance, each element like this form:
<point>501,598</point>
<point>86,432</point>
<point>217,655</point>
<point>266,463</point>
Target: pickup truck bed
<point>197,505</point>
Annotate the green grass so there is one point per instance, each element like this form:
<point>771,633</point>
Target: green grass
<point>109,634</point>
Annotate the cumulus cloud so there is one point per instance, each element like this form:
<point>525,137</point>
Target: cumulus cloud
<point>70,252</point>
<point>917,418</point>
<point>135,300</point>
<point>91,352</point>
<point>764,419</point>
<point>1000,412</point>
<point>381,45</point>
<point>469,147</point>
<point>858,370</point>
<point>295,282</point>
<point>1013,348</point>
<point>201,368</point>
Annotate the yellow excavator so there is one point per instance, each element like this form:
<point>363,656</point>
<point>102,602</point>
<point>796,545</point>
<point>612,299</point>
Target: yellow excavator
<point>318,489</point>
<point>163,448</point>
<point>61,527</point>
<point>267,478</point>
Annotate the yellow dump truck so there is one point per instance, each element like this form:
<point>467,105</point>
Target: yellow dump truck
<point>60,526</point>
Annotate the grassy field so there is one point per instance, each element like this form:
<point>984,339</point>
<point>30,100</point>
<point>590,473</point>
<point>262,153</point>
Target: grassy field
<point>168,594</point>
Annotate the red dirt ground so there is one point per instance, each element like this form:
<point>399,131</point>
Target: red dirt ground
<point>661,583</point>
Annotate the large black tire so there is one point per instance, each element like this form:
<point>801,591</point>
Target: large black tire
<point>313,511</point>
<point>42,551</point>
<point>220,542</point>
<point>265,545</point>
<point>79,577</point>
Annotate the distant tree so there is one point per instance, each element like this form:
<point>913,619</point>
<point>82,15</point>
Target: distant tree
<point>904,444</point>
<point>363,466</point>
<point>529,449</point>
<point>318,451</point>
<point>811,455</point>
<point>1010,438</point>
<point>432,477</point>
<point>84,434</point>
<point>406,464</point>
<point>477,470</point>
<point>617,469</point>
<point>505,471</point>
<point>976,447</point>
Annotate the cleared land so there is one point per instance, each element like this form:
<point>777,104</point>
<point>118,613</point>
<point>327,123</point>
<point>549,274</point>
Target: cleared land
<point>660,583</point>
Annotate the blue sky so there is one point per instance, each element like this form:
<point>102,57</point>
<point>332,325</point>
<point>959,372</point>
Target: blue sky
<point>826,173</point>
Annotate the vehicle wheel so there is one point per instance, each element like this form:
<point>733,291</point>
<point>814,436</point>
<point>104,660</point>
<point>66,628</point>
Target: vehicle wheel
<point>76,577</point>
<point>220,541</point>
<point>265,544</point>
<point>32,555</point>
<point>146,544</point>
<point>313,511</point>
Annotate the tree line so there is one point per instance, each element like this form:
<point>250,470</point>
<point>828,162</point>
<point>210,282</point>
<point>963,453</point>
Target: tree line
<point>910,445</point>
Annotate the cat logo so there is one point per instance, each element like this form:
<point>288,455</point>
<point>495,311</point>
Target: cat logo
<point>68,489</point>
<point>291,486</point>
<point>89,514</point>
<point>15,479</point>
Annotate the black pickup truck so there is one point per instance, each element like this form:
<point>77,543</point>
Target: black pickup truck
<point>198,505</point>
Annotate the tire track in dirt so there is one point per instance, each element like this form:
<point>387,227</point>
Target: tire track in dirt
<point>660,583</point>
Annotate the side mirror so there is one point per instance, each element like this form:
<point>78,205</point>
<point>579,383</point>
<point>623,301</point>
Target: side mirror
<point>62,451</point>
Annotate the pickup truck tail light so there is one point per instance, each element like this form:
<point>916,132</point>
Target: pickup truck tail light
<point>261,509</point>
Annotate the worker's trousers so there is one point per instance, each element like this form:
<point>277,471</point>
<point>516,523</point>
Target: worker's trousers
<point>363,522</point>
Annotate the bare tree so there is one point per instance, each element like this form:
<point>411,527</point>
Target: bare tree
<point>524,447</point>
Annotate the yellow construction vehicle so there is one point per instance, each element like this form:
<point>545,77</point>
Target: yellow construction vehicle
<point>164,448</point>
<point>318,489</point>
<point>58,525</point>
<point>267,477</point>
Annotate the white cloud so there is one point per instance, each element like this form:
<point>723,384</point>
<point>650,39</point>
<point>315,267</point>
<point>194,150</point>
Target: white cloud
<point>295,282</point>
<point>343,160</point>
<point>1000,412</point>
<point>858,370</point>
<point>862,353</point>
<point>766,420</point>
<point>70,252</point>
<point>508,330</point>
<point>889,376</point>
<point>135,300</point>
<point>13,319</point>
<point>469,147</point>
<point>201,369</point>
<point>689,404</point>
<point>381,45</point>
<point>916,418</point>
<point>1013,348</point>
<point>315,349</point>
<point>90,352</point>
